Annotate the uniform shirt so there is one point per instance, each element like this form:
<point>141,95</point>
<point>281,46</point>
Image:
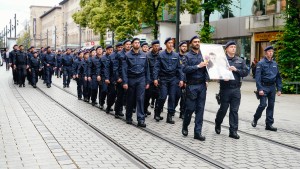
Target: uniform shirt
<point>58,60</point>
<point>267,72</point>
<point>94,67</point>
<point>67,60</point>
<point>21,59</point>
<point>192,72</point>
<point>152,57</point>
<point>135,65</point>
<point>12,56</point>
<point>30,55</point>
<point>242,70</point>
<point>181,58</point>
<point>104,61</point>
<point>167,66</point>
<point>111,73</point>
<point>79,67</point>
<point>49,58</point>
<point>120,57</point>
<point>34,63</point>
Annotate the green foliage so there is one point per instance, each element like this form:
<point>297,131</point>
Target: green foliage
<point>24,40</point>
<point>288,47</point>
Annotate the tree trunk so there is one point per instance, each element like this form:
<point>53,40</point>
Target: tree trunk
<point>155,30</point>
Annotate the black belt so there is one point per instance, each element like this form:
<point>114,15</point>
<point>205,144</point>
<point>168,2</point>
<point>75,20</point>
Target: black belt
<point>195,82</point>
<point>231,86</point>
<point>267,83</point>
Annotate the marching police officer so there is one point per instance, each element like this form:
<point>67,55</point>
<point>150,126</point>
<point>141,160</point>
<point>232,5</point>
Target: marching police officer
<point>34,68</point>
<point>153,91</point>
<point>197,78</point>
<point>168,70</point>
<point>79,74</point>
<point>94,75</point>
<point>136,77</point>
<point>12,56</point>
<point>111,77</point>
<point>29,55</point>
<point>86,84</point>
<point>120,90</point>
<point>66,65</point>
<point>230,92</point>
<point>58,63</point>
<point>181,90</point>
<point>21,64</point>
<point>267,78</point>
<point>49,66</point>
<point>104,61</point>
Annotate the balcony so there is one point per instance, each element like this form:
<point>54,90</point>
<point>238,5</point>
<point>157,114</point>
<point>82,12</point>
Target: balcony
<point>264,23</point>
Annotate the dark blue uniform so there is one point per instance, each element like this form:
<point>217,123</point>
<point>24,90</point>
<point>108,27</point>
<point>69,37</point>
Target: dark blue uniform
<point>267,79</point>
<point>42,72</point>
<point>21,62</point>
<point>12,56</point>
<point>119,86</point>
<point>67,62</point>
<point>112,74</point>
<point>135,73</point>
<point>58,63</point>
<point>196,79</point>
<point>230,95</point>
<point>93,72</point>
<point>153,91</point>
<point>180,95</point>
<point>169,72</point>
<point>35,66</point>
<point>79,71</point>
<point>29,78</point>
<point>103,87</point>
<point>84,66</point>
<point>49,64</point>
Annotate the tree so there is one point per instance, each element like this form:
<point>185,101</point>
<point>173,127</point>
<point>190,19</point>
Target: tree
<point>103,15</point>
<point>288,46</point>
<point>24,40</point>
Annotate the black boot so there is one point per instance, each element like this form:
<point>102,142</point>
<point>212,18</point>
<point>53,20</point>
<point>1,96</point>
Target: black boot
<point>234,135</point>
<point>254,123</point>
<point>184,130</point>
<point>198,136</point>
<point>156,115</point>
<point>169,119</point>
<point>217,128</point>
<point>271,128</point>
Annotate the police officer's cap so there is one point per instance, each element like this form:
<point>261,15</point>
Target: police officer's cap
<point>35,52</point>
<point>194,37</point>
<point>155,42</point>
<point>119,44</point>
<point>125,41</point>
<point>181,43</point>
<point>31,47</point>
<point>134,39</point>
<point>229,43</point>
<point>144,43</point>
<point>92,49</point>
<point>168,39</point>
<point>86,52</point>
<point>268,48</point>
<point>108,46</point>
<point>98,47</point>
<point>15,45</point>
<point>48,47</point>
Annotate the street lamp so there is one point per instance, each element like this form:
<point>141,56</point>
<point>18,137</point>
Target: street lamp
<point>177,24</point>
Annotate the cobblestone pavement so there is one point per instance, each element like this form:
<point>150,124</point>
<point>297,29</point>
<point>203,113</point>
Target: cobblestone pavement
<point>37,132</point>
<point>248,152</point>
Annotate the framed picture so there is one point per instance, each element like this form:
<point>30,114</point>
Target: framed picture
<point>218,66</point>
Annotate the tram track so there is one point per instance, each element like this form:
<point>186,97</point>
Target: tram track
<point>269,140</point>
<point>178,145</point>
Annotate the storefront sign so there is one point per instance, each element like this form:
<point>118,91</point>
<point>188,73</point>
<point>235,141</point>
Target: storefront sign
<point>265,37</point>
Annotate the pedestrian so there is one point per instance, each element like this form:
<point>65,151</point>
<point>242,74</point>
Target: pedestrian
<point>153,91</point>
<point>230,91</point>
<point>121,93</point>
<point>181,90</point>
<point>12,55</point>
<point>6,57</point>
<point>135,73</point>
<point>197,78</point>
<point>268,79</point>
<point>111,76</point>
<point>49,65</point>
<point>34,68</point>
<point>168,72</point>
<point>58,59</point>
<point>78,74</point>
<point>21,64</point>
<point>66,66</point>
<point>253,67</point>
<point>93,75</point>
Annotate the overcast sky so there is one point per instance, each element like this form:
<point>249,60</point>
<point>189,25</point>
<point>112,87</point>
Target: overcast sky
<point>20,7</point>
